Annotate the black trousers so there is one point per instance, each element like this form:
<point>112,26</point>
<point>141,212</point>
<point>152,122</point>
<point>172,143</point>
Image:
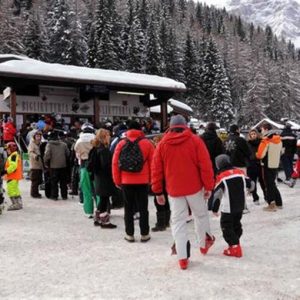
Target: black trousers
<point>287,164</point>
<point>254,172</point>
<point>75,177</point>
<point>231,227</point>
<point>136,195</point>
<point>104,204</point>
<point>272,192</point>
<point>59,177</point>
<point>36,177</point>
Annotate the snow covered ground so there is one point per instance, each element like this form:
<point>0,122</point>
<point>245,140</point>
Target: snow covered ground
<point>50,250</point>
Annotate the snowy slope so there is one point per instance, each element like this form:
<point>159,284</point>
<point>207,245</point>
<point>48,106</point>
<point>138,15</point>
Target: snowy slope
<point>282,15</point>
<point>51,251</point>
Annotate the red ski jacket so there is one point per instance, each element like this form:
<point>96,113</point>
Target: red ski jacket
<point>9,131</point>
<point>182,161</point>
<point>147,148</point>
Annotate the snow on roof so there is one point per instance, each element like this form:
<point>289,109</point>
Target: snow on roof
<point>267,120</point>
<point>294,125</point>
<point>24,67</point>
<point>178,104</point>
<point>172,105</point>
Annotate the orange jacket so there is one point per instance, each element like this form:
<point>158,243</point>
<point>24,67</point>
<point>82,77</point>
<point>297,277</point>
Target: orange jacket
<point>13,167</point>
<point>269,151</point>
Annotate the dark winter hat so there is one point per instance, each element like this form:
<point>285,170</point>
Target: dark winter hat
<point>53,135</point>
<point>177,120</point>
<point>134,125</point>
<point>211,126</point>
<point>222,161</point>
<point>233,128</point>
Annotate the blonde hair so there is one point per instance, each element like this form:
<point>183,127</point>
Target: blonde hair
<point>101,138</point>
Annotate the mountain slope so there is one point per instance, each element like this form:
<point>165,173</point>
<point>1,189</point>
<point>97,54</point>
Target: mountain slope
<point>282,15</point>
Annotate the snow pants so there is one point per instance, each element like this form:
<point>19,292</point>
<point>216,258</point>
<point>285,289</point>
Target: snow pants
<point>179,213</point>
<point>86,189</point>
<point>231,227</point>
<point>13,188</point>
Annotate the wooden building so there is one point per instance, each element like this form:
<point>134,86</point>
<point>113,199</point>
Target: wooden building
<point>33,87</point>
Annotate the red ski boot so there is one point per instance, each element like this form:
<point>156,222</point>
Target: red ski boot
<point>234,250</point>
<point>209,241</point>
<point>183,263</point>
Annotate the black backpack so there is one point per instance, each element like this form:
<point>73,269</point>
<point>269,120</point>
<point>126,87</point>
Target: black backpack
<point>131,157</point>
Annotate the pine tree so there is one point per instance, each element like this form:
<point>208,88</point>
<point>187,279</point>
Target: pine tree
<point>60,32</point>
<point>136,48</point>
<point>192,76</point>
<point>153,50</point>
<point>222,105</point>
<point>32,37</point>
<point>143,14</point>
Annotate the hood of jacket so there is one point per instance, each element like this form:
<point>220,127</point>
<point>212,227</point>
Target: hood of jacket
<point>177,137</point>
<point>134,134</point>
<point>86,137</point>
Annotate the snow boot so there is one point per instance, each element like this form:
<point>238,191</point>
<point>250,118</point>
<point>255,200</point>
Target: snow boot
<point>291,182</point>
<point>183,263</point>
<point>209,241</point>
<point>145,238</point>
<point>103,221</point>
<point>161,222</point>
<point>271,207</point>
<point>129,238</point>
<point>20,202</point>
<point>235,251</point>
<point>97,218</point>
<point>14,205</point>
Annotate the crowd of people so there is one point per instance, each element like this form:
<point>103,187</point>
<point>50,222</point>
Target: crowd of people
<point>188,174</point>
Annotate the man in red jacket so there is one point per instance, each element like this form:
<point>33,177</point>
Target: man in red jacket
<point>181,161</point>
<point>9,131</point>
<point>134,184</point>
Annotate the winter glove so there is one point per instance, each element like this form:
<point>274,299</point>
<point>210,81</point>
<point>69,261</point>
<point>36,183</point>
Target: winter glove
<point>161,200</point>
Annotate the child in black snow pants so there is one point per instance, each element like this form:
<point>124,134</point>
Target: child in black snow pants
<point>229,196</point>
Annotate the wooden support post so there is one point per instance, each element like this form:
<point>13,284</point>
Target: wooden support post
<point>96,112</point>
<point>13,105</point>
<point>163,115</point>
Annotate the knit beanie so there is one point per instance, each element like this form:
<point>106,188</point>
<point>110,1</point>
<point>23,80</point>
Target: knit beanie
<point>177,120</point>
